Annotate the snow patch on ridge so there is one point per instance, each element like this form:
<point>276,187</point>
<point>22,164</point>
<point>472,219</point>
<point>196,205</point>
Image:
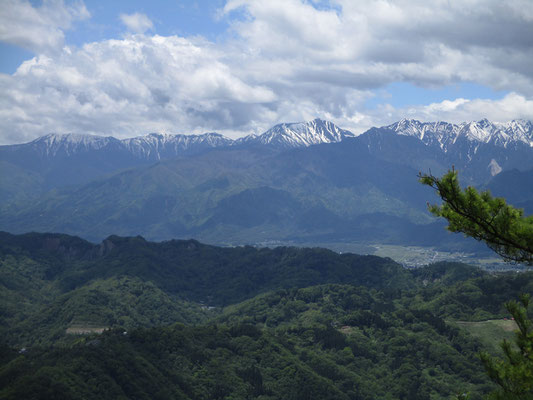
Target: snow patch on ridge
<point>494,167</point>
<point>54,144</point>
<point>484,131</point>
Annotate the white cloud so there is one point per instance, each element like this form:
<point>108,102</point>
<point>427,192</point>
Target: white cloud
<point>128,87</point>
<point>427,43</point>
<point>511,106</point>
<point>39,29</point>
<point>138,23</point>
<point>284,61</point>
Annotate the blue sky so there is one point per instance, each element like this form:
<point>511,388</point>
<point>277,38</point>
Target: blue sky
<point>126,68</point>
<point>170,17</point>
<point>402,94</point>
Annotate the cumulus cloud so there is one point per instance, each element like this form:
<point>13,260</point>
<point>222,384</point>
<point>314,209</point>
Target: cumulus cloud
<point>39,29</point>
<point>126,87</point>
<point>513,104</point>
<point>426,43</point>
<point>286,60</point>
<point>137,22</point>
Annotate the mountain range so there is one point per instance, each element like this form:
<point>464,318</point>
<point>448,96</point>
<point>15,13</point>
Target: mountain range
<point>311,182</point>
<point>159,146</point>
<point>484,131</point>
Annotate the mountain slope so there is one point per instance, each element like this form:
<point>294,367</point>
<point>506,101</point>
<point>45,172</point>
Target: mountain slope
<point>73,159</point>
<point>375,329</point>
<point>479,150</point>
<point>516,187</point>
<point>344,326</point>
<point>238,195</point>
<point>50,282</point>
<point>327,342</point>
<point>62,160</point>
<point>271,188</point>
<point>157,146</point>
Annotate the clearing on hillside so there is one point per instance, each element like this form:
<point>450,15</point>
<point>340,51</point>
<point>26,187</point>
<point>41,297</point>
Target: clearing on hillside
<point>490,332</point>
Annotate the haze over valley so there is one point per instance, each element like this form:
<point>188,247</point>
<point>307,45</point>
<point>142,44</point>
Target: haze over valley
<point>312,183</point>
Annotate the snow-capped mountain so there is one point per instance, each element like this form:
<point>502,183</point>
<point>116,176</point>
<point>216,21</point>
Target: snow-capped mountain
<point>256,186</point>
<point>160,146</point>
<point>446,135</point>
<point>465,141</point>
<point>152,147</point>
<point>299,134</point>
<point>65,159</point>
<point>53,144</point>
<point>479,149</point>
<point>157,146</point>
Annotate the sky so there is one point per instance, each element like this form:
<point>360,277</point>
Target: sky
<point>127,68</point>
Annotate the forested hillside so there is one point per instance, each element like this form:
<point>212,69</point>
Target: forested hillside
<point>185,320</point>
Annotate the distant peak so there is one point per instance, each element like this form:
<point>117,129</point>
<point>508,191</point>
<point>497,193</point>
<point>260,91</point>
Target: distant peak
<point>161,135</point>
<point>482,131</point>
<point>74,139</point>
<point>408,121</point>
<point>68,144</point>
<point>300,134</point>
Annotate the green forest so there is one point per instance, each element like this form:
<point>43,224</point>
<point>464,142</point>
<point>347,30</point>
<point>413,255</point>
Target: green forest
<point>129,318</point>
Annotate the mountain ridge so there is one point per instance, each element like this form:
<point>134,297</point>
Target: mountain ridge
<point>483,131</point>
<point>350,188</point>
<point>289,135</point>
<point>155,146</point>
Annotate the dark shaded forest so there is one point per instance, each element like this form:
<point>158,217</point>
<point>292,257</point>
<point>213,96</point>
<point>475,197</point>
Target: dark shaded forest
<point>184,320</point>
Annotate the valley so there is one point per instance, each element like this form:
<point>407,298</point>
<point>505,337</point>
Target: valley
<point>408,256</point>
<point>314,260</point>
<point>131,308</point>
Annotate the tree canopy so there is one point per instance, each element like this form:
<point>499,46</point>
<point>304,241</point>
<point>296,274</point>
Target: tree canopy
<point>510,234</point>
<point>501,226</point>
<point>514,374</point>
